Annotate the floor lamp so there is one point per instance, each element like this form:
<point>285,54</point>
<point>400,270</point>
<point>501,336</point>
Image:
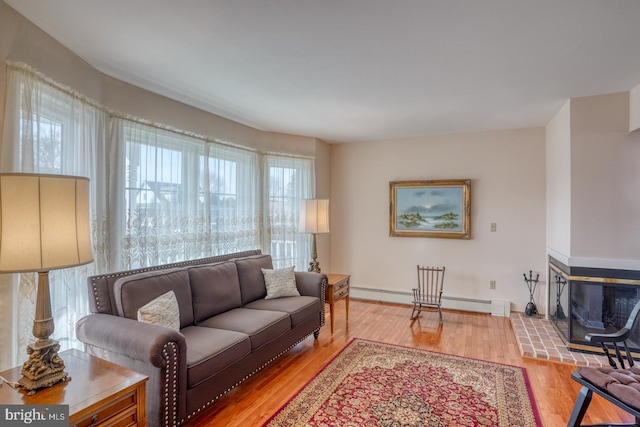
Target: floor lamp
<point>314,219</point>
<point>44,225</point>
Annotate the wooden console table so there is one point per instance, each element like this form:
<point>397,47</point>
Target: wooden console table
<point>98,393</point>
<point>337,289</point>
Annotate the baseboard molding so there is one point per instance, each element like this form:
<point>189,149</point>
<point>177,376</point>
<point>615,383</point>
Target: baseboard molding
<point>495,308</point>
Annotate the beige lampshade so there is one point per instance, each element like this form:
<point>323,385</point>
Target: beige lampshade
<point>314,216</point>
<point>44,222</point>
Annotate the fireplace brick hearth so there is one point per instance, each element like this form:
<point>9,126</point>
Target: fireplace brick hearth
<point>537,338</point>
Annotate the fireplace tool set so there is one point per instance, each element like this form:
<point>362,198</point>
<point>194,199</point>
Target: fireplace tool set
<point>531,310</point>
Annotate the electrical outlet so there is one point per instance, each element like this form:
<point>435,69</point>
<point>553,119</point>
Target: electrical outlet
<point>492,284</point>
<point>493,226</point>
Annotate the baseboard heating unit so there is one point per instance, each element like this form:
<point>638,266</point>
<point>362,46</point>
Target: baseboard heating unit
<point>493,307</point>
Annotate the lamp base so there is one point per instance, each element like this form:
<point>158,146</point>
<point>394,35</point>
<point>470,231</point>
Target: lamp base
<point>314,266</point>
<point>44,367</point>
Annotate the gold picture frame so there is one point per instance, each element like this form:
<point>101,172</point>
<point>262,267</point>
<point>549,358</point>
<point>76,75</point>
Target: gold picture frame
<point>437,208</point>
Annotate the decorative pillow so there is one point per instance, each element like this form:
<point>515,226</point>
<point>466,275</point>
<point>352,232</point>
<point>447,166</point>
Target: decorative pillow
<point>280,283</point>
<point>162,311</point>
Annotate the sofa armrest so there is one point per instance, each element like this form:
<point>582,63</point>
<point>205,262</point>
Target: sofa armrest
<point>137,340</point>
<point>311,284</point>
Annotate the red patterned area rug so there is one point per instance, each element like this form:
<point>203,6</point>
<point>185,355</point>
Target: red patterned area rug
<point>375,384</point>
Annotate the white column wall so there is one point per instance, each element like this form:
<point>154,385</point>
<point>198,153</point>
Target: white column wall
<point>634,109</point>
<point>558,141</point>
<point>605,177</point>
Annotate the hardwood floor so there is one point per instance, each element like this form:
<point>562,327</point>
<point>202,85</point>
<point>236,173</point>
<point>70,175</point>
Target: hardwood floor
<point>465,334</point>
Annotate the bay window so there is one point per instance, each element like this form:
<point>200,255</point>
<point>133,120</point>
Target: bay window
<point>158,195</point>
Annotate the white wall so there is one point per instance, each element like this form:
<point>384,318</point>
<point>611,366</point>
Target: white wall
<point>558,142</point>
<point>507,169</point>
<point>605,181</point>
<point>323,191</point>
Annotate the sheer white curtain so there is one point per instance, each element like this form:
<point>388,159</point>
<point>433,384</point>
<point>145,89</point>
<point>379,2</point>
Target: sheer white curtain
<point>180,197</point>
<point>52,129</point>
<point>287,181</point>
<point>160,216</point>
<point>234,196</point>
<point>158,194</point>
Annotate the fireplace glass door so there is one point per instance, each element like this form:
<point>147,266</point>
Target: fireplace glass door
<point>580,304</point>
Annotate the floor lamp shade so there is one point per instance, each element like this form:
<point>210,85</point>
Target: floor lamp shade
<point>44,225</point>
<point>314,216</point>
<point>314,219</point>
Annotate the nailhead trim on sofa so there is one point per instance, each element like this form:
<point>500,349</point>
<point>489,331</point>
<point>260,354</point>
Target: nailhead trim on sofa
<point>170,353</point>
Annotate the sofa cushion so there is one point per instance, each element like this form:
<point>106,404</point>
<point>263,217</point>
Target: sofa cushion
<point>262,326</point>
<point>162,311</point>
<point>211,350</point>
<point>250,276</point>
<point>280,283</point>
<point>299,308</point>
<point>133,292</point>
<point>215,289</point>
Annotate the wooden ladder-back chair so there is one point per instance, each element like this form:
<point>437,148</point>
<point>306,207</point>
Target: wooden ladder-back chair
<point>428,294</point>
<point>619,384</point>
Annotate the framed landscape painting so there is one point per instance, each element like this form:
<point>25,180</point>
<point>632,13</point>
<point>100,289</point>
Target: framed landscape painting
<point>440,208</point>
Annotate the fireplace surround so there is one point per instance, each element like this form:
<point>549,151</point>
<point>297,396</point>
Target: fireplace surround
<point>583,300</point>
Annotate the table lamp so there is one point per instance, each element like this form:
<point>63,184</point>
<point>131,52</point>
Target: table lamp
<point>314,219</point>
<point>44,225</point>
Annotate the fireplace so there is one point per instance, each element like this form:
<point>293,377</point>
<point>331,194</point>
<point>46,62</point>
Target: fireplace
<point>586,300</point>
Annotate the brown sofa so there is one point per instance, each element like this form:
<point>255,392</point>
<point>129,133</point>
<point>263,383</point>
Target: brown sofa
<point>228,330</point>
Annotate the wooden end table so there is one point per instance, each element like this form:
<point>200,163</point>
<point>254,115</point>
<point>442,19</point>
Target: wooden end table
<point>337,289</point>
<point>98,393</point>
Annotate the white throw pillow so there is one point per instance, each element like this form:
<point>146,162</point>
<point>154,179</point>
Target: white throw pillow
<point>280,283</point>
<point>162,311</point>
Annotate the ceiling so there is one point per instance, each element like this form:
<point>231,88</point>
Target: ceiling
<point>358,70</point>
